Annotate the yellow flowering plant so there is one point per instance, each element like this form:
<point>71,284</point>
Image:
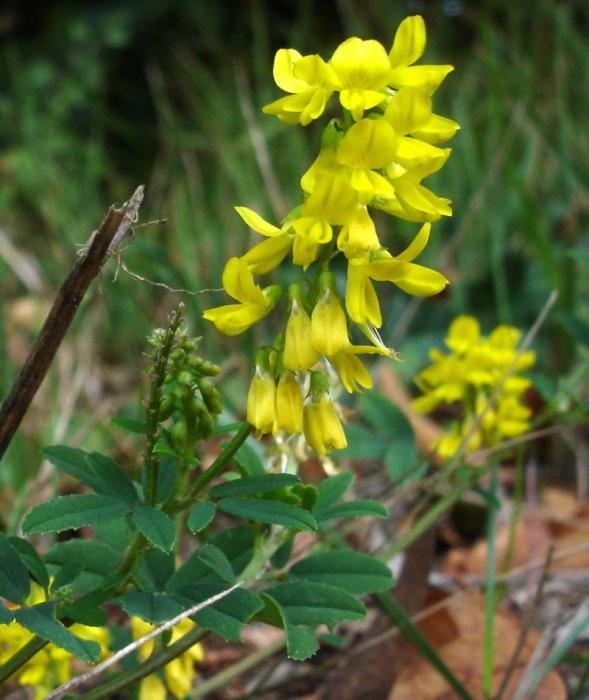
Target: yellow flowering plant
<point>373,157</point>
<point>481,375</point>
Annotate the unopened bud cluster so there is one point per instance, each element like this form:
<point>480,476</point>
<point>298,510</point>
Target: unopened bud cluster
<point>374,157</point>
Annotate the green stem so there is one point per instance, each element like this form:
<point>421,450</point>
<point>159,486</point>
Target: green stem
<point>216,467</point>
<point>221,679</point>
<point>490,588</point>
<point>154,663</point>
<point>21,657</point>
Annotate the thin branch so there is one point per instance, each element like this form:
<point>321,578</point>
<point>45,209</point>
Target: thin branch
<point>131,648</point>
<point>90,260</point>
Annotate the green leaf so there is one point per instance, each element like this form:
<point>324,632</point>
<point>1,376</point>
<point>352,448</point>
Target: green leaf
<point>6,615</point>
<point>167,476</point>
<point>333,488</point>
<point>156,568</point>
<point>362,443</point>
<point>69,572</point>
<point>281,556</point>
<point>312,604</point>
<point>158,527</point>
<point>351,509</point>
<point>132,425</point>
<point>86,610</point>
<point>200,516</point>
<point>254,485</point>
<point>152,607</point>
<point>249,460</point>
<point>112,478</point>
<point>355,572</point>
<point>31,560</point>
<point>40,619</point>
<point>301,642</point>
<point>97,471</point>
<point>402,459</point>
<point>93,556</point>
<point>73,512</point>
<point>237,544</point>
<point>227,616</point>
<point>383,415</point>
<point>217,561</point>
<point>193,571</point>
<point>14,577</point>
<point>271,512</point>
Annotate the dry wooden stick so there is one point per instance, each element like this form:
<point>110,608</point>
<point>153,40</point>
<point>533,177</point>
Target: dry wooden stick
<point>91,258</point>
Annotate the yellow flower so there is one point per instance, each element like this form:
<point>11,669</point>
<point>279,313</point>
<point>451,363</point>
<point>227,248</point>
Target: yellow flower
<point>254,303</point>
<point>321,424</point>
<point>261,402</point>
<point>299,353</point>
<point>361,300</point>
<point>289,403</point>
<point>179,673</point>
<point>363,69</point>
<point>408,47</point>
<point>265,256</point>
<point>310,79</point>
<point>329,329</point>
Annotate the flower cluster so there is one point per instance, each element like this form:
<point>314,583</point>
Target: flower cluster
<point>51,666</point>
<point>477,368</point>
<point>178,673</point>
<point>374,157</point>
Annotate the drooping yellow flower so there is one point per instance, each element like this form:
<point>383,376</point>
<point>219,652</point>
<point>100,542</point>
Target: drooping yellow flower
<point>179,673</point>
<point>329,328</point>
<point>289,403</point>
<point>261,402</point>
<point>254,303</point>
<point>363,69</point>
<point>311,81</point>
<point>299,353</point>
<point>268,254</point>
<point>321,424</point>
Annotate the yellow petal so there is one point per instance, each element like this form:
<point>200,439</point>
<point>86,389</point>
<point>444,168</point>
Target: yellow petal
<point>267,255</point>
<point>369,143</point>
<point>233,319</point>
<point>289,404</point>
<point>409,42</point>
<point>352,372</point>
<point>299,353</point>
<point>261,400</point>
<point>429,77</point>
<point>257,223</point>
<point>417,245</point>
<point>322,426</point>
<point>437,130</point>
<point>239,283</point>
<point>284,62</point>
<point>329,330</point>
<point>464,332</point>
<point>358,236</point>
<point>409,110</point>
<point>361,65</point>
<point>152,688</point>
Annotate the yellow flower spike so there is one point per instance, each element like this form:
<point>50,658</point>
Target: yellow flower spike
<point>362,68</point>
<point>358,236</point>
<point>289,403</point>
<point>329,328</point>
<point>310,79</point>
<point>361,299</point>
<point>321,424</point>
<point>299,353</point>
<point>261,399</point>
<point>408,47</point>
<point>253,305</point>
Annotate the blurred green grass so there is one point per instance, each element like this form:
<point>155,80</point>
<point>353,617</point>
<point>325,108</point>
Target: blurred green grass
<point>98,99</point>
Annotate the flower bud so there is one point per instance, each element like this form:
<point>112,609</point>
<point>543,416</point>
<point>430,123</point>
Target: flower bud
<point>261,401</point>
<point>322,426</point>
<point>329,330</point>
<point>299,353</point>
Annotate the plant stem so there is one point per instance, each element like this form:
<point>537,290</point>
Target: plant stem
<point>124,680</point>
<point>21,657</point>
<point>216,467</point>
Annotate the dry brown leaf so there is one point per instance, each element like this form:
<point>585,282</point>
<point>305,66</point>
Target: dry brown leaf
<point>531,543</point>
<point>456,632</point>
